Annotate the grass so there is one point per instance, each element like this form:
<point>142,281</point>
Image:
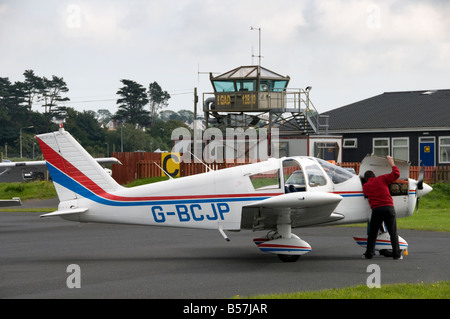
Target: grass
<point>438,290</point>
<point>31,190</point>
<point>434,211</point>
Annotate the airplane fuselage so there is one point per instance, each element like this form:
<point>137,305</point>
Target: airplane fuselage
<point>216,199</point>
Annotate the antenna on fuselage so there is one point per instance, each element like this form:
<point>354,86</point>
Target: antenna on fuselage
<point>164,171</point>
<point>209,168</point>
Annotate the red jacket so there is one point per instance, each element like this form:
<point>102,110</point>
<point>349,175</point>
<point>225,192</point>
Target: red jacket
<point>377,189</point>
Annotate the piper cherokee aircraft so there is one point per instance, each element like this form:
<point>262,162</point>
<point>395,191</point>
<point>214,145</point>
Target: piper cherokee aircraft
<point>276,195</point>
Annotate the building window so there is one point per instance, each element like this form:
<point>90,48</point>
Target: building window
<point>328,151</point>
<point>444,149</point>
<point>283,149</point>
<point>380,146</point>
<point>350,143</point>
<point>400,148</point>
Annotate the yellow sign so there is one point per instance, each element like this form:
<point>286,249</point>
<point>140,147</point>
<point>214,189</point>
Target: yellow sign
<point>248,99</point>
<point>170,164</point>
<point>426,149</point>
<point>223,100</point>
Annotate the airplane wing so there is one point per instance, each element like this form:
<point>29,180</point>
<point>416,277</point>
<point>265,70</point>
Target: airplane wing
<point>102,160</point>
<point>15,167</point>
<point>302,208</point>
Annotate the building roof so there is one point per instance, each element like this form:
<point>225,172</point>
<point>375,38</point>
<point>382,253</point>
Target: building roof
<point>250,72</point>
<point>411,109</point>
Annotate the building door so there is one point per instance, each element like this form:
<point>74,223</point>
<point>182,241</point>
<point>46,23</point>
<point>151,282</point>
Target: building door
<point>427,153</point>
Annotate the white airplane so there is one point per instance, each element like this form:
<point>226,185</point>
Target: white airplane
<point>276,195</point>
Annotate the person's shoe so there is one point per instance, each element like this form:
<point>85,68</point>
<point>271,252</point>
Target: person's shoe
<point>400,258</point>
<point>364,256</point>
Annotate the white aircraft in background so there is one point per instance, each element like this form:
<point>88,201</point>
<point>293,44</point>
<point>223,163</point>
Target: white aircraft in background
<point>276,195</point>
<point>15,201</point>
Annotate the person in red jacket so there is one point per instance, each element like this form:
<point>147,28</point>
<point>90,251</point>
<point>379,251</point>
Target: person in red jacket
<point>376,189</point>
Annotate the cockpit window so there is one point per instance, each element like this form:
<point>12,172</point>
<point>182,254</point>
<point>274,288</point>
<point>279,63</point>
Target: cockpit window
<point>266,180</point>
<point>336,173</point>
<point>294,180</point>
<point>315,176</point>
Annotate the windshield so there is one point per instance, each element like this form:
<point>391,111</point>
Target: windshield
<point>224,86</point>
<point>315,176</point>
<point>336,173</point>
<point>296,178</point>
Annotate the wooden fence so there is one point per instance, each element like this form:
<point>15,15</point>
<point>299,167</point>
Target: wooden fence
<point>432,174</point>
<point>127,172</point>
<point>142,164</point>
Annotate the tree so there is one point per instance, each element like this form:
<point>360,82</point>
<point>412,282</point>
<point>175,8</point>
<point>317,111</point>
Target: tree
<point>133,139</point>
<point>51,92</point>
<point>158,100</point>
<point>7,132</point>
<point>13,112</point>
<point>161,134</point>
<point>86,129</point>
<point>133,98</point>
<point>104,116</point>
<point>167,115</point>
<point>32,87</point>
<point>186,116</point>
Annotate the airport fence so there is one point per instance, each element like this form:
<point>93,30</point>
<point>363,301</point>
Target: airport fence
<point>432,174</point>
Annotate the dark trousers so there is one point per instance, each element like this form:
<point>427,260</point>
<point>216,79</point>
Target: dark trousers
<point>382,214</point>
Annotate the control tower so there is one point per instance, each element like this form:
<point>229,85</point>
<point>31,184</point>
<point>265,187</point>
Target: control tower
<point>255,96</point>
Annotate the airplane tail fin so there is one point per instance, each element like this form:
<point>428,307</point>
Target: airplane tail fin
<point>76,174</point>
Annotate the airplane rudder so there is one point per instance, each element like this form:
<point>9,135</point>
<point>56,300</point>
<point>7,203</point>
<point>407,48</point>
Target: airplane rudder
<point>72,166</point>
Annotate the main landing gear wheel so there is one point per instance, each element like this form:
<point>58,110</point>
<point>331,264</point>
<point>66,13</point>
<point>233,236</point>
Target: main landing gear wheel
<point>288,258</point>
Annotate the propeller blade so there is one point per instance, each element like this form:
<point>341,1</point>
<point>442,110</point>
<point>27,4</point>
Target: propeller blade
<point>420,179</point>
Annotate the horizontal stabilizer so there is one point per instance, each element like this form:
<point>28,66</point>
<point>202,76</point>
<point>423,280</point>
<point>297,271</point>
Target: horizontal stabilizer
<point>65,212</point>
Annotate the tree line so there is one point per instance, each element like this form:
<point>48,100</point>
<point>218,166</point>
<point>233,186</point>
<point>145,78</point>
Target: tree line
<point>140,121</point>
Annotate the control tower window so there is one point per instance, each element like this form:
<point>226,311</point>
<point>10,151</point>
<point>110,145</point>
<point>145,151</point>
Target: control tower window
<point>272,85</point>
<point>245,85</point>
<point>224,86</point>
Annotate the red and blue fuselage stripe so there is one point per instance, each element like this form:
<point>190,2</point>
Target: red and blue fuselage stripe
<point>67,175</point>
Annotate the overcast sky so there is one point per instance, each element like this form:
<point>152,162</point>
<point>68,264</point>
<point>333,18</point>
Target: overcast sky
<point>346,50</point>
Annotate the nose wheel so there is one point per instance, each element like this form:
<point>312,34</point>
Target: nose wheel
<point>287,249</point>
